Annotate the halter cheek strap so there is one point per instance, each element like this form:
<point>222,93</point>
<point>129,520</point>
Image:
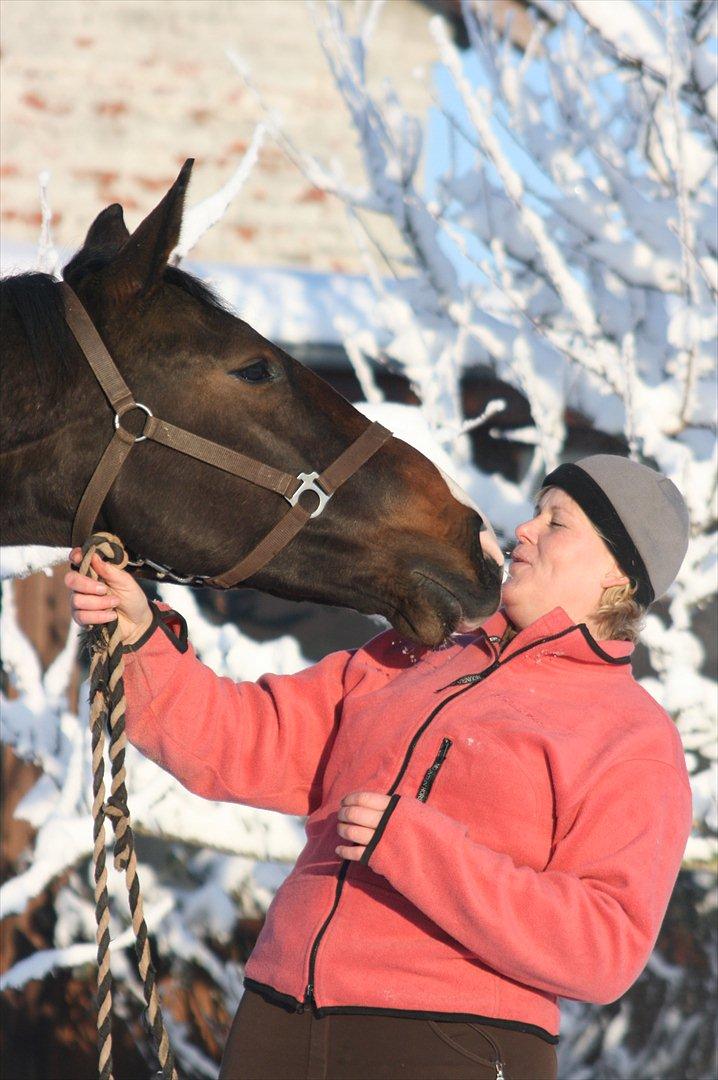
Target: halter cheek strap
<point>291,487</point>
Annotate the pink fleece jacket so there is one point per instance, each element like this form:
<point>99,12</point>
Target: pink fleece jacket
<point>540,807</point>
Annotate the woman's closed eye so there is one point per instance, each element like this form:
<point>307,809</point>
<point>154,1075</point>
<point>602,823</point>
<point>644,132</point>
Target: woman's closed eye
<point>553,520</point>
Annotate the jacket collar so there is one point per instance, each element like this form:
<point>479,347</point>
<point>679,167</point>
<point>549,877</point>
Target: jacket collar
<point>573,640</point>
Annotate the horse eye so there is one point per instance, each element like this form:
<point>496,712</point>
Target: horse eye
<point>259,371</point>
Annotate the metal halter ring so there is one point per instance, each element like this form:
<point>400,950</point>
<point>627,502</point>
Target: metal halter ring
<point>135,405</point>
<point>309,483</point>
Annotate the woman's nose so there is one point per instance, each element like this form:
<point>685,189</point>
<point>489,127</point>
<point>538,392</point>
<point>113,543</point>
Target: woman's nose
<point>523,531</point>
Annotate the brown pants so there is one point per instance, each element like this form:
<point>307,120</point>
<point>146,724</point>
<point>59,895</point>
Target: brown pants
<point>268,1042</point>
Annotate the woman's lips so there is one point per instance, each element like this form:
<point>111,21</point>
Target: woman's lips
<point>514,562</point>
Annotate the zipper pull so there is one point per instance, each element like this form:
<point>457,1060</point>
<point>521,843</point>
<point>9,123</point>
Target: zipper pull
<point>430,775</point>
<point>443,751</point>
<point>499,1066</point>
<point>308,997</point>
<point>468,680</point>
<point>465,680</point>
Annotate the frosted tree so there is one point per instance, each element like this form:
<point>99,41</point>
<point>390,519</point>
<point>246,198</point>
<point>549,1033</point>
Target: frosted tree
<point>570,246</point>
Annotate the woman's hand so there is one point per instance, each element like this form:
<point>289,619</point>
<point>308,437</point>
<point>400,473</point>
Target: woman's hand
<point>115,595</point>
<point>359,815</point>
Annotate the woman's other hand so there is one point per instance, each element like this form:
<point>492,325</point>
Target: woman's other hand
<point>359,814</point>
<point>115,595</point>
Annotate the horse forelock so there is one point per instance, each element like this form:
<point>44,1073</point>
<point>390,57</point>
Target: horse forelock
<point>91,261</point>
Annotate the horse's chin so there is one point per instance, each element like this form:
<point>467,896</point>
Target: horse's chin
<point>429,629</point>
<point>436,613</point>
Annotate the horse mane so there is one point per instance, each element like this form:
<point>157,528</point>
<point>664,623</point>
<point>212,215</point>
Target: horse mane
<point>38,303</point>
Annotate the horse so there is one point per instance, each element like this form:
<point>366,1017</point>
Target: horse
<point>397,539</point>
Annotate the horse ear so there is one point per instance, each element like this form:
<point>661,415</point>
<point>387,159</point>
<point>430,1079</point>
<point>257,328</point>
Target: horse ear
<point>138,266</point>
<point>108,231</point>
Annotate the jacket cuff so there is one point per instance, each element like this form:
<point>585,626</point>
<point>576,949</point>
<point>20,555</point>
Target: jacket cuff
<point>415,824</point>
<point>169,622</point>
<point>379,831</point>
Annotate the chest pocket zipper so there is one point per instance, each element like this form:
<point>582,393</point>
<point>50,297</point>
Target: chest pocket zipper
<point>431,773</point>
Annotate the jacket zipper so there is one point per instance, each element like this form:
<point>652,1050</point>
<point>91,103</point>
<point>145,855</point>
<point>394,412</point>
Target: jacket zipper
<point>431,773</point>
<point>481,675</point>
<point>465,682</point>
<point>309,991</point>
<point>309,999</point>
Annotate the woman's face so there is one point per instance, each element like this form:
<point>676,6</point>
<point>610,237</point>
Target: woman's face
<point>559,561</point>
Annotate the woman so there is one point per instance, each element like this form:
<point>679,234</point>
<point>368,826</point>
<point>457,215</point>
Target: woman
<point>491,825</point>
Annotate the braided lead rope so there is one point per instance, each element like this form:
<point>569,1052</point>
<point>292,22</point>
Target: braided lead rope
<point>107,710</point>
<point>102,918</point>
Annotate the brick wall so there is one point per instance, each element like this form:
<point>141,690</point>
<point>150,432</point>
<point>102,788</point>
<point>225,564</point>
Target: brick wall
<point>113,95</point>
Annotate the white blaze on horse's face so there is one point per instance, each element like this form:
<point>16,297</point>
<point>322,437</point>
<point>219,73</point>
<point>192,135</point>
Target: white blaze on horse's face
<point>489,542</point>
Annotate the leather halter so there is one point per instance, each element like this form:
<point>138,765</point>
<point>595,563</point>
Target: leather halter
<point>323,485</point>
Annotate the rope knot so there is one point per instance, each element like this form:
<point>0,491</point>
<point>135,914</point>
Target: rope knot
<point>115,809</point>
<point>118,812</point>
<point>106,544</point>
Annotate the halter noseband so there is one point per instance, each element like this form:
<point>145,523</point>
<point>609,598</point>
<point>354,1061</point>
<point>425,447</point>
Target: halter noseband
<point>323,485</point>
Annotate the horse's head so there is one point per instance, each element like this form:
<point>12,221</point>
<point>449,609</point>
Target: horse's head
<point>393,540</point>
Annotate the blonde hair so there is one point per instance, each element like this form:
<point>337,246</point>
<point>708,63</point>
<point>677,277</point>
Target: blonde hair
<point>619,615</point>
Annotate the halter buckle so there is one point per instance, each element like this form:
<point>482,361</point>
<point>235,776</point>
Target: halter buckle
<point>309,483</point>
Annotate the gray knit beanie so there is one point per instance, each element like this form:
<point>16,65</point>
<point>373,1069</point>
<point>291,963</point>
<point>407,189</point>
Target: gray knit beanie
<point>639,511</point>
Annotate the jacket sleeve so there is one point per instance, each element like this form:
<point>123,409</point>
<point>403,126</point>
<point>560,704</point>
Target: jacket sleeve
<point>262,743</point>
<point>583,927</point>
